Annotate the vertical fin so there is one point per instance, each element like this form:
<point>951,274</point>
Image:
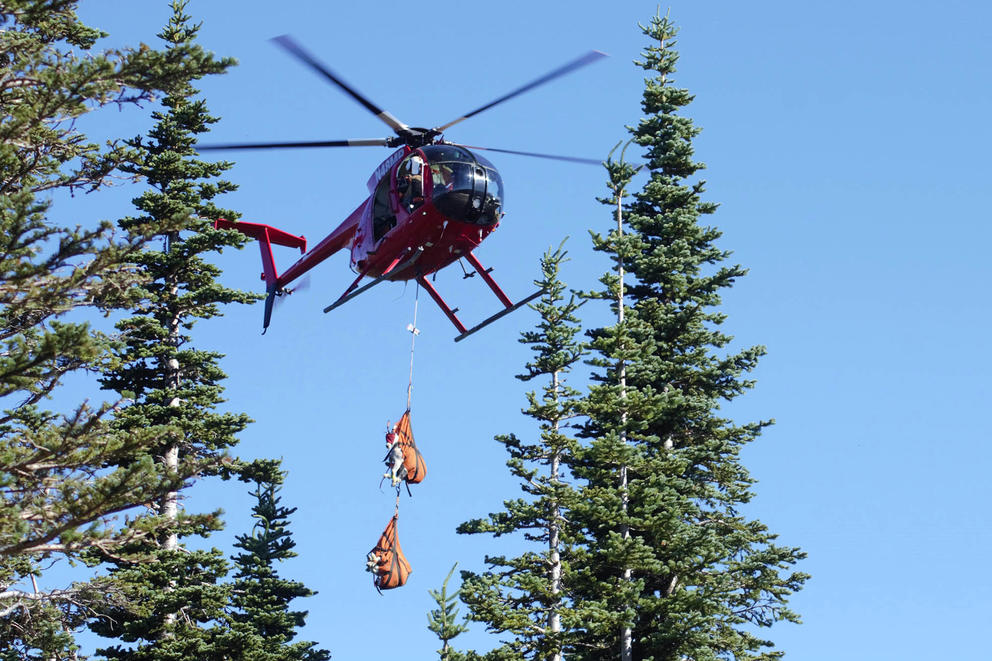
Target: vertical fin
<point>270,276</point>
<point>270,298</point>
<point>266,236</point>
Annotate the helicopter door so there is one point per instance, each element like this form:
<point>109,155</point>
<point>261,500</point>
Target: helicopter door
<point>383,218</point>
<point>410,183</point>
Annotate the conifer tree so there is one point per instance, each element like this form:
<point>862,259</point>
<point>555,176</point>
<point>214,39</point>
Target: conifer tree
<point>527,597</point>
<point>443,620</point>
<point>65,475</point>
<point>673,569</point>
<point>173,601</point>
<point>261,625</point>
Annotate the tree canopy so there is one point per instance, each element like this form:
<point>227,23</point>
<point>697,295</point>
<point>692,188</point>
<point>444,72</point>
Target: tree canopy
<point>66,475</point>
<point>654,556</point>
<point>675,567</point>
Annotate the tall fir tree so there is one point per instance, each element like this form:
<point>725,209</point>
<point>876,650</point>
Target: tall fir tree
<point>261,625</point>
<point>65,475</point>
<point>674,569</point>
<point>173,601</point>
<point>528,597</point>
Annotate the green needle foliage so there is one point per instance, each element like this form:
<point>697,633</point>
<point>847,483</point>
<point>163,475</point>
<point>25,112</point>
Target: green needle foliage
<point>65,475</point>
<point>262,627</point>
<point>443,620</point>
<point>528,597</point>
<point>170,597</point>
<point>674,569</point>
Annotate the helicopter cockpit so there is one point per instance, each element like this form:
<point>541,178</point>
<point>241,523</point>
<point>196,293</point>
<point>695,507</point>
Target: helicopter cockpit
<point>466,187</point>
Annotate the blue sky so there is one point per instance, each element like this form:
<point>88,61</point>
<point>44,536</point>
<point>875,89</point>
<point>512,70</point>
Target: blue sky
<point>847,144</point>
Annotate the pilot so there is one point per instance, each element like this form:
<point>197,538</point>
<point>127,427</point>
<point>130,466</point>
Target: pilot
<point>442,177</point>
<point>410,183</point>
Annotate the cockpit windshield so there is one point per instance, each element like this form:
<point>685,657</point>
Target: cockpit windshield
<point>466,186</point>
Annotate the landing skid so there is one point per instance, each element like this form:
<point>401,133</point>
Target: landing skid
<point>349,294</point>
<point>501,313</point>
<point>509,306</point>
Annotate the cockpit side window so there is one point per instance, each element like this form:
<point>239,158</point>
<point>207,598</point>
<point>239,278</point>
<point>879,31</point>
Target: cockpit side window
<point>383,218</point>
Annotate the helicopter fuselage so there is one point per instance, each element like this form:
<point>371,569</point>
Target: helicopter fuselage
<point>438,202</point>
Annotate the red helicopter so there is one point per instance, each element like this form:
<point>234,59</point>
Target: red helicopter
<point>431,203</point>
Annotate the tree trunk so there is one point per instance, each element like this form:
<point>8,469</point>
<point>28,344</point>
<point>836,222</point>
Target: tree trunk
<point>626,635</point>
<point>554,528</point>
<point>169,507</point>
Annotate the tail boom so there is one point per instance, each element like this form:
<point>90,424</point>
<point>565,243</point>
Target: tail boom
<point>267,235</point>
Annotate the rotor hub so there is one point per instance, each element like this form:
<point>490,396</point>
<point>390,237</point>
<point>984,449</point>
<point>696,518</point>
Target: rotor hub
<point>414,136</point>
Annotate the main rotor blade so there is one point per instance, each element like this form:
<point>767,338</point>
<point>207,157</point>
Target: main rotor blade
<point>553,157</point>
<point>375,142</point>
<point>588,58</point>
<point>295,49</point>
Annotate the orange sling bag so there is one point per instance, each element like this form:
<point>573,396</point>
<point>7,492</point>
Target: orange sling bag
<point>413,462</point>
<point>386,561</point>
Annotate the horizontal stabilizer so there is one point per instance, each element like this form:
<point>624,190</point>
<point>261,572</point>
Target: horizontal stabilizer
<point>264,233</point>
